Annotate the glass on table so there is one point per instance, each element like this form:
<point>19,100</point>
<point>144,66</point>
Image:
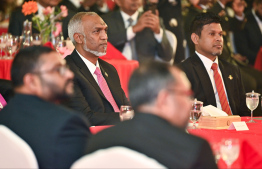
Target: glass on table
<point>11,46</point>
<point>60,46</point>
<point>126,112</point>
<point>37,40</point>
<point>195,112</point>
<point>3,40</point>
<point>229,151</point>
<point>252,100</point>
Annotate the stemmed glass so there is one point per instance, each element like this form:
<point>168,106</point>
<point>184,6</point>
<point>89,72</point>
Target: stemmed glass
<point>2,45</point>
<point>195,112</point>
<point>36,39</point>
<point>252,100</point>
<point>11,46</point>
<point>60,47</point>
<point>126,113</point>
<point>229,150</point>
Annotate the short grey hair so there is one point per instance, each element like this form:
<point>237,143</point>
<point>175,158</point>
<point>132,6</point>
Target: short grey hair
<point>75,24</point>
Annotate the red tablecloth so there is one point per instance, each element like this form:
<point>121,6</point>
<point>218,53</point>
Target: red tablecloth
<point>250,142</point>
<point>5,67</point>
<point>3,30</point>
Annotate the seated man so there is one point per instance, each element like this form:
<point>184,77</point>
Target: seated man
<point>17,18</point>
<point>138,36</point>
<point>98,93</point>
<point>214,81</point>
<point>160,95</point>
<point>57,135</point>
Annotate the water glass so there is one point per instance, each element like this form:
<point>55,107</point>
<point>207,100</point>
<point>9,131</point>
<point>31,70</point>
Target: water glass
<point>37,40</point>
<point>126,113</point>
<point>12,46</point>
<point>195,112</point>
<point>252,100</point>
<point>229,150</point>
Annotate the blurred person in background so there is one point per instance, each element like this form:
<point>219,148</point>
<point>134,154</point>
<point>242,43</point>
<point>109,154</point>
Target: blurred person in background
<point>160,95</point>
<point>41,80</point>
<point>17,17</point>
<point>139,36</point>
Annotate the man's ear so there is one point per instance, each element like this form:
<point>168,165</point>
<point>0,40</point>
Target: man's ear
<point>77,38</point>
<point>31,82</point>
<point>161,99</point>
<point>194,38</point>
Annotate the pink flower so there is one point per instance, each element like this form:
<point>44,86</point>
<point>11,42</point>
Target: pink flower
<point>48,10</point>
<point>64,11</point>
<point>58,29</point>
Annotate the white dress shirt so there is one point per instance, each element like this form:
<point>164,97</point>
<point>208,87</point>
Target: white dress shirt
<point>208,63</point>
<point>127,52</point>
<point>90,66</point>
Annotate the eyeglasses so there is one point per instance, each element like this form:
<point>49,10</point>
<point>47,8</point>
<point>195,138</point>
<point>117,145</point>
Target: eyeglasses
<point>59,69</point>
<point>188,93</point>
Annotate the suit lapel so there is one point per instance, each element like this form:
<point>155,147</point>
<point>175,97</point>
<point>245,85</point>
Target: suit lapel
<point>85,71</point>
<point>110,82</point>
<point>204,79</point>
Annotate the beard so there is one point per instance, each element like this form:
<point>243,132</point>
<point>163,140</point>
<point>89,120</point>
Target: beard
<point>96,53</point>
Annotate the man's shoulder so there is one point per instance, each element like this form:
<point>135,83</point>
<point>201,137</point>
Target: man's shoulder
<point>110,15</point>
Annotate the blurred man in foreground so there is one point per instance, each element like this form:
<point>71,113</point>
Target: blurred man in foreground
<point>214,81</point>
<point>160,95</point>
<point>56,135</point>
<point>98,93</point>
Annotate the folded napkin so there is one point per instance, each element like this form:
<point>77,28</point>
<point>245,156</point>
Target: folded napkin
<point>212,111</point>
<point>2,102</point>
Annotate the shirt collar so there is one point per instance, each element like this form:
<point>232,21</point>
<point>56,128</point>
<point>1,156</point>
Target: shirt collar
<point>257,19</point>
<point>126,17</point>
<point>89,65</point>
<point>207,62</point>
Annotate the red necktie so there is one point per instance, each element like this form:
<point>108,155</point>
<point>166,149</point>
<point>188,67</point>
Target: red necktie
<point>105,89</point>
<point>220,90</point>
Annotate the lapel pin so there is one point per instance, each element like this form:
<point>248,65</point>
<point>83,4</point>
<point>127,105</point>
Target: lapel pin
<point>230,77</point>
<point>106,74</point>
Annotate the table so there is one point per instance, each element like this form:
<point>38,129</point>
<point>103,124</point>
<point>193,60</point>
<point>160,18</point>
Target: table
<point>5,67</point>
<point>250,141</point>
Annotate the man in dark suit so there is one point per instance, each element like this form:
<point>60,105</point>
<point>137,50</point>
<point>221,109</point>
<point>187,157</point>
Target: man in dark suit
<point>57,136</point>
<point>160,96</point>
<point>249,40</point>
<point>17,18</point>
<point>88,33</point>
<point>141,38</point>
<point>226,91</point>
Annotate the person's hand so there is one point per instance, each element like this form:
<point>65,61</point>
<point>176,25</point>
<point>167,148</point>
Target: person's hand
<point>239,6</point>
<point>148,20</point>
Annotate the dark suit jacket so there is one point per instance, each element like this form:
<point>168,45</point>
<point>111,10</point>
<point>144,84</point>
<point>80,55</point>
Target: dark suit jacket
<point>202,86</point>
<point>57,136</point>
<point>6,89</point>
<point>156,138</point>
<point>146,44</point>
<point>89,99</point>
<point>249,40</point>
<point>17,18</point>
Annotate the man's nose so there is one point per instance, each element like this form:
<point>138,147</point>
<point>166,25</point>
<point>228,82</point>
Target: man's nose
<point>103,35</point>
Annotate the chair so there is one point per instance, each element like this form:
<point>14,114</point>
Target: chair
<point>15,152</point>
<point>173,42</point>
<point>116,157</point>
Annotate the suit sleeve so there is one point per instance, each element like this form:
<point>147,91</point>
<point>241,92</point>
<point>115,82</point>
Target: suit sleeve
<point>16,23</point>
<point>205,157</point>
<point>72,141</point>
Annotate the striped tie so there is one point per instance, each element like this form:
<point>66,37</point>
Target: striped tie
<point>220,90</point>
<point>105,89</point>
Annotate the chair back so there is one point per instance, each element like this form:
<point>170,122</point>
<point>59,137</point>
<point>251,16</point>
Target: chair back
<point>173,42</point>
<point>15,152</point>
<point>116,157</point>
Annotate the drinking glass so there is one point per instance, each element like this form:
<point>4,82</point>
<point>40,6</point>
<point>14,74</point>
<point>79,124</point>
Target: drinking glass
<point>126,113</point>
<point>36,39</point>
<point>229,150</point>
<point>60,47</point>
<point>195,112</point>
<point>11,46</point>
<point>3,40</point>
<point>252,100</point>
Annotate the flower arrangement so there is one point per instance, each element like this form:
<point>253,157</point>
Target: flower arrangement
<point>48,26</point>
